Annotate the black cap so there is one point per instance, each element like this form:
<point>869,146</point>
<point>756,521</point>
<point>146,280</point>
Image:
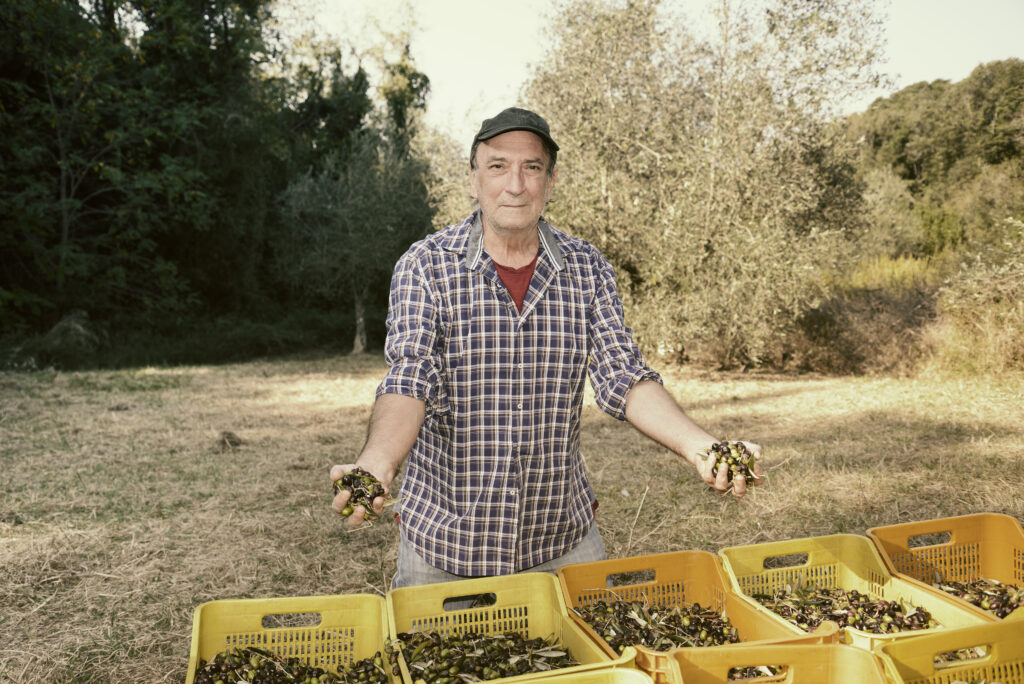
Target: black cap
<point>515,119</point>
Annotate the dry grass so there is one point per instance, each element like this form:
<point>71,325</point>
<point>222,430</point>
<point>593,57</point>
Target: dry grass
<point>123,508</point>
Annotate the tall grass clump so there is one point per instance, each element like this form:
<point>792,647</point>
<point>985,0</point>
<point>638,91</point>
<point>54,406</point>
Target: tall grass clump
<point>980,325</point>
<point>895,273</point>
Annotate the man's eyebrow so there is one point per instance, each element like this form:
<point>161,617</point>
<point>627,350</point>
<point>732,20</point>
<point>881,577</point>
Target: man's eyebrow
<point>499,158</point>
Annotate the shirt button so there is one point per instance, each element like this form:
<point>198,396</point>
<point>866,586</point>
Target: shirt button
<point>519,405</point>
<point>520,366</point>
<point>512,492</point>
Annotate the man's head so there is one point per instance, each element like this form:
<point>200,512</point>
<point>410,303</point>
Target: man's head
<point>512,170</point>
<point>516,119</point>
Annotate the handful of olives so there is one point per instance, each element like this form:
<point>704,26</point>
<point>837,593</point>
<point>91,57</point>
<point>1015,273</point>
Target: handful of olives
<point>363,489</point>
<point>735,456</point>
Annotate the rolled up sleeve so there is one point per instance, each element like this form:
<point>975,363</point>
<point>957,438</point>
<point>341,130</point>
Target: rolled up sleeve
<point>616,363</point>
<point>412,334</point>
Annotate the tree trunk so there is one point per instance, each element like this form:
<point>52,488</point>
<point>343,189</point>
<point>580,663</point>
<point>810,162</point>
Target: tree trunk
<point>359,341</point>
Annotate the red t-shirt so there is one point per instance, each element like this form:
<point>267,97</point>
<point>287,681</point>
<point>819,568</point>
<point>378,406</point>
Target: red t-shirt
<point>517,280</point>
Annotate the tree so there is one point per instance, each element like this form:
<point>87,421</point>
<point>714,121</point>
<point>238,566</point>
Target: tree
<point>958,147</point>
<point>708,172</point>
<point>348,223</point>
<point>81,206</point>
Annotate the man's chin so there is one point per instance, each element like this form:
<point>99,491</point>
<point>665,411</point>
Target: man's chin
<point>512,221</point>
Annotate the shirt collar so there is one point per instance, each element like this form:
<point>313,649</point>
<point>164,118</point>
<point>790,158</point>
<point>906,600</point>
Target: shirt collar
<point>473,244</point>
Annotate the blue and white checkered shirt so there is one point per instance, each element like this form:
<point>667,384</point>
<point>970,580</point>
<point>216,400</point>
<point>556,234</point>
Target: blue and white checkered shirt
<point>495,483</point>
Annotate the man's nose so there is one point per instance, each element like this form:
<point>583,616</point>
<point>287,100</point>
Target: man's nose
<point>516,181</point>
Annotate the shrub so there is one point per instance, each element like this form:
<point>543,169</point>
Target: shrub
<point>980,327</point>
<point>863,330</point>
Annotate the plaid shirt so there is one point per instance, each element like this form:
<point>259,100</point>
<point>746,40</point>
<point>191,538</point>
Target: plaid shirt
<point>495,482</point>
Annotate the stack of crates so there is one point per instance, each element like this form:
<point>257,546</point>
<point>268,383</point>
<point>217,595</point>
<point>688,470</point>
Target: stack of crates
<point>330,632</point>
<point>894,563</point>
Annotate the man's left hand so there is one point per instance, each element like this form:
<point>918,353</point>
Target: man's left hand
<point>738,485</point>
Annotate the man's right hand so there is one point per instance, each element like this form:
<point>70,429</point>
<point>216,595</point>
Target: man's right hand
<point>341,499</point>
<point>394,425</point>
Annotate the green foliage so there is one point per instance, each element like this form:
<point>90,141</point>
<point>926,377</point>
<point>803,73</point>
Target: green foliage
<point>196,339</point>
<point>940,229</point>
<point>81,210</point>
<point>959,149</point>
<point>144,148</point>
<point>405,90</point>
<point>882,272</point>
<point>346,225</point>
<point>708,172</point>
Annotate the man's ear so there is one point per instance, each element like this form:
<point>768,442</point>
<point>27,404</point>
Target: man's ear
<point>551,184</point>
<point>471,178</point>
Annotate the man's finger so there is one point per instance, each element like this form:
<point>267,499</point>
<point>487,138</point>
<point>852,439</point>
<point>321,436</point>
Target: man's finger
<point>739,486</point>
<point>341,500</point>
<point>357,518</point>
<point>722,479</point>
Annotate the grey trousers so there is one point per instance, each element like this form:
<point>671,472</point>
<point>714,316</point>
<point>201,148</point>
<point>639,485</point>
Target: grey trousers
<point>413,570</point>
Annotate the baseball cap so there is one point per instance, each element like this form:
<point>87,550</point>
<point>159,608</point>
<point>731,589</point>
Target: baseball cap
<point>515,119</point>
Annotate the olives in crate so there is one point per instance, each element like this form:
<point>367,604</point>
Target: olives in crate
<point>987,594</point>
<point>252,664</point>
<point>808,606</point>
<point>631,623</point>
<point>434,658</point>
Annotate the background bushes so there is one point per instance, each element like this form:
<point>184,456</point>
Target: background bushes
<point>204,188</point>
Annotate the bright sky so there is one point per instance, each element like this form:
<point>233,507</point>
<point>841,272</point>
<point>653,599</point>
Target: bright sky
<point>477,53</point>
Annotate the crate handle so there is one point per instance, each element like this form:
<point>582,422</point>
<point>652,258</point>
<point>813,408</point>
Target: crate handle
<point>468,601</point>
<point>786,560</point>
<point>916,541</point>
<point>291,620</point>
<point>630,577</point>
<point>778,672</point>
<point>963,656</point>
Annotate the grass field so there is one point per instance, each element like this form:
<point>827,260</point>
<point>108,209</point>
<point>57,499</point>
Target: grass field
<point>123,506</point>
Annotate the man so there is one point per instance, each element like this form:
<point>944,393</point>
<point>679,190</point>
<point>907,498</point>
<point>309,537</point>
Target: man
<point>493,325</point>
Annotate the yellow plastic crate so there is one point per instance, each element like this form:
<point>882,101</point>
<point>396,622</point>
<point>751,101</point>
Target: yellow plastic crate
<point>529,603</point>
<point>679,578</point>
<point>617,675</point>
<point>847,561</point>
<point>801,664</point>
<point>330,631</point>
<point>913,661</point>
<point>960,548</point>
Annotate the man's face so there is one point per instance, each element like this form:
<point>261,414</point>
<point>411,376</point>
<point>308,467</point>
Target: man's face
<point>511,180</point>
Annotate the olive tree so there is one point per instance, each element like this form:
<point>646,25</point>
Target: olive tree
<point>708,170</point>
<point>346,224</point>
